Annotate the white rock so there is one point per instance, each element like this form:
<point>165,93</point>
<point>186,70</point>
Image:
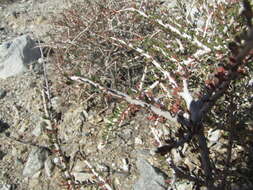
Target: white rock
<point>125,165</point>
<point>213,136</point>
<point>184,185</point>
<point>176,156</point>
<point>5,187</point>
<point>250,83</point>
<point>16,55</point>
<point>138,140</point>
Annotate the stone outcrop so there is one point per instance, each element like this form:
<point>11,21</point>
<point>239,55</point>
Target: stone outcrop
<point>16,55</point>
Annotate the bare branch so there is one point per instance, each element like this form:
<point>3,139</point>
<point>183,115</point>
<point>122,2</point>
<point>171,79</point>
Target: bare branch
<point>127,98</point>
<point>205,159</point>
<point>186,94</point>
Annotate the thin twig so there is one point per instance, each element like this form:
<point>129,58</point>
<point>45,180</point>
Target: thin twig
<point>104,183</point>
<point>143,78</point>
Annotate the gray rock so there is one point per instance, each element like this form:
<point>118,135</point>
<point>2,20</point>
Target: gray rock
<point>2,93</point>
<point>151,178</point>
<point>37,131</point>
<point>49,166</point>
<point>16,55</point>
<point>35,161</point>
<point>170,4</point>
<point>2,154</point>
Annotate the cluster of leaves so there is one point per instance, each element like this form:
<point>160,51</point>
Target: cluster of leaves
<point>88,42</point>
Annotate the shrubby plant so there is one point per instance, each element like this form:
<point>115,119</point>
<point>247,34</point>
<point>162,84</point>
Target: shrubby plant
<point>192,77</point>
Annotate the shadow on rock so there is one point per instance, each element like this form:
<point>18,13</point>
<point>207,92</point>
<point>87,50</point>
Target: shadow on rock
<point>3,126</point>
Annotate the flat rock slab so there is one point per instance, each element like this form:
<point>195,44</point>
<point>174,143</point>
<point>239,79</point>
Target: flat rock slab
<point>16,55</point>
<point>35,161</point>
<point>151,178</point>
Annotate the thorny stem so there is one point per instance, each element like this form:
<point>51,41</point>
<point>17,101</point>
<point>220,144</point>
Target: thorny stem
<point>209,103</point>
<point>210,99</point>
<point>205,159</point>
<point>51,124</point>
<point>232,127</point>
<point>127,98</point>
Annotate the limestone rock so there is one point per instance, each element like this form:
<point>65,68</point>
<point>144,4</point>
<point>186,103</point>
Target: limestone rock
<point>150,177</point>
<point>16,55</point>
<point>35,161</point>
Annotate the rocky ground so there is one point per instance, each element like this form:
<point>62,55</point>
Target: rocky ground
<point>122,155</point>
<point>20,100</point>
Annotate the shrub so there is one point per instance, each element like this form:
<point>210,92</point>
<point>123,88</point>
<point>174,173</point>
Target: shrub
<point>164,62</point>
